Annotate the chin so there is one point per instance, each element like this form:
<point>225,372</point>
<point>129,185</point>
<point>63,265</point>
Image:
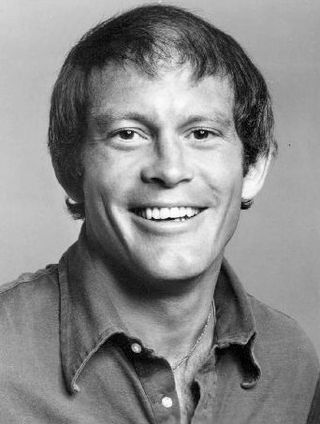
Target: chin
<point>174,268</point>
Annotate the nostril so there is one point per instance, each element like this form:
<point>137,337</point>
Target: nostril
<point>166,175</point>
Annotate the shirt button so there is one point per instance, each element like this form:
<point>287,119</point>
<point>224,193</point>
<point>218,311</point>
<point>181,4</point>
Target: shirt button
<point>248,384</point>
<point>136,348</point>
<point>166,402</point>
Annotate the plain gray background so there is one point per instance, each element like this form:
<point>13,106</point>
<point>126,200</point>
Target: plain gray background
<point>276,248</point>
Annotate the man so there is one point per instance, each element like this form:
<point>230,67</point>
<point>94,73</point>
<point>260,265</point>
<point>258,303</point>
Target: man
<point>160,132</point>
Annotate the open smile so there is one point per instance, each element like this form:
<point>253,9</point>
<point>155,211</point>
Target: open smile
<point>176,213</point>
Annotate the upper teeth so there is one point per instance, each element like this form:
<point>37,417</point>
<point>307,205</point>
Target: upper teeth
<point>166,213</point>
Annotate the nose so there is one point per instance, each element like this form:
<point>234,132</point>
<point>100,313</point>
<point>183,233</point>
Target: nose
<point>168,165</point>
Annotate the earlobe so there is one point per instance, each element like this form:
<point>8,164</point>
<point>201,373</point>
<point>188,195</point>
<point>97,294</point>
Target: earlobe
<point>254,179</point>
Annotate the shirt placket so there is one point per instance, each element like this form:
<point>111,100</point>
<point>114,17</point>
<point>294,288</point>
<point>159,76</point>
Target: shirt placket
<point>157,380</point>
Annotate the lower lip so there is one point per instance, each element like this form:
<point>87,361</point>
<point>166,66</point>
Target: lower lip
<point>168,226</point>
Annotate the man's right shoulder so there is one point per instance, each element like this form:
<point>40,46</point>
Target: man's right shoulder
<point>28,297</point>
<point>30,281</point>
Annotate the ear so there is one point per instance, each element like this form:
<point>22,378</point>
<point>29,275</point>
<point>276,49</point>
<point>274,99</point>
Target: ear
<point>254,179</point>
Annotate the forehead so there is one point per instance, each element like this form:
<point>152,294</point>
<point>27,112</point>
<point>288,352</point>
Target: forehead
<point>173,89</point>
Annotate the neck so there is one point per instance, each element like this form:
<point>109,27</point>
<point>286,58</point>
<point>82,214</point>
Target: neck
<point>167,321</point>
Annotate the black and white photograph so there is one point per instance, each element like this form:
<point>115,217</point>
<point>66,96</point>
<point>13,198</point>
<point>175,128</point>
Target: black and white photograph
<point>160,225</point>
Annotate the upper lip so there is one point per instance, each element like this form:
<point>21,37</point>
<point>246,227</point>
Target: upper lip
<point>176,204</point>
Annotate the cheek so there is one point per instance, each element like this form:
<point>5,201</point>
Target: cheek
<point>223,171</point>
<point>99,188</point>
<point>108,183</point>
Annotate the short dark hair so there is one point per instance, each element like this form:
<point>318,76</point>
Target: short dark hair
<point>147,36</point>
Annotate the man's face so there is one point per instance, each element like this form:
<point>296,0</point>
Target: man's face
<point>163,171</point>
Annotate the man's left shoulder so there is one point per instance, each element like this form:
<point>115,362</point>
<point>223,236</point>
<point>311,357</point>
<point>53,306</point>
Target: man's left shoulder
<point>280,336</point>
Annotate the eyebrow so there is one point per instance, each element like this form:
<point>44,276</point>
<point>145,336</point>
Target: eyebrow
<point>104,119</point>
<point>216,117</point>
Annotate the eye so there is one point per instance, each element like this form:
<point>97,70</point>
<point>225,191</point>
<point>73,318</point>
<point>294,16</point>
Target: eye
<point>133,135</point>
<point>126,134</point>
<point>202,134</point>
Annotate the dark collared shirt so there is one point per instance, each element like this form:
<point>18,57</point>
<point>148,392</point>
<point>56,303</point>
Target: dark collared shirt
<point>66,357</point>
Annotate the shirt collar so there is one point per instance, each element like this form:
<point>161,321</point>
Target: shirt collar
<point>234,318</point>
<point>88,317</point>
<point>235,324</point>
